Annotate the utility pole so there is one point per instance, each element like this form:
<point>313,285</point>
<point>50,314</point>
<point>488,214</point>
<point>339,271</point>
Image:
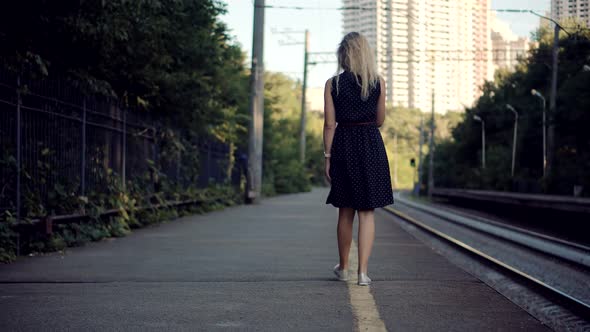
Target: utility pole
<point>420,143</point>
<point>303,101</point>
<point>395,159</point>
<point>552,102</point>
<point>431,152</point>
<point>254,178</point>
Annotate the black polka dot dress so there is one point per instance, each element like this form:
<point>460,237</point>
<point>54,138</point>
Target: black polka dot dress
<point>359,167</point>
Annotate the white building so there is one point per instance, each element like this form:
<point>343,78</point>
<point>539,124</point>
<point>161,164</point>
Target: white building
<point>425,46</point>
<point>507,47</point>
<point>561,9</point>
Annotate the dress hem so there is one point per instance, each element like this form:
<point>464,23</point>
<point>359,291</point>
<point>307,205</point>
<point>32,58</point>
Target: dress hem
<point>361,208</point>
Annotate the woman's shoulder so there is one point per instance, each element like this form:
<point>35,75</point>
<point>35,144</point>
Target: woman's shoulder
<point>337,76</point>
<point>330,86</point>
<point>331,82</point>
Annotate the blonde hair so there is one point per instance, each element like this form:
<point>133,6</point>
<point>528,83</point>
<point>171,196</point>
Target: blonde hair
<point>355,55</point>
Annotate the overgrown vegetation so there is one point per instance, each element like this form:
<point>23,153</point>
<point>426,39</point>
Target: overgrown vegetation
<point>169,58</point>
<point>283,172</point>
<point>112,211</point>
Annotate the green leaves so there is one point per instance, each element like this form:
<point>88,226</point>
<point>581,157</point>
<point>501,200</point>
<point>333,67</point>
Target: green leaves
<point>169,56</point>
<point>458,161</point>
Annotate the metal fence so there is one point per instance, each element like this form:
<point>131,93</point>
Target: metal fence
<point>55,140</point>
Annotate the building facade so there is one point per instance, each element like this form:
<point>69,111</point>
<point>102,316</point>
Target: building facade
<point>424,47</point>
<point>507,47</point>
<point>561,9</point>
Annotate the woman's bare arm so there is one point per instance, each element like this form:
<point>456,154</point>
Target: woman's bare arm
<point>381,104</point>
<point>329,117</point>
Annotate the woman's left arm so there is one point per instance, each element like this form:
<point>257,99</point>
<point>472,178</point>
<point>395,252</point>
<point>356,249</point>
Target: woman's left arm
<point>381,103</point>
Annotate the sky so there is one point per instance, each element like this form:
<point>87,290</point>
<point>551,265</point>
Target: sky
<point>325,28</point>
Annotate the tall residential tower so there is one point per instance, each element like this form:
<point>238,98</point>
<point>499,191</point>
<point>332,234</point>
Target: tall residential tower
<point>561,9</point>
<point>507,47</point>
<point>424,46</point>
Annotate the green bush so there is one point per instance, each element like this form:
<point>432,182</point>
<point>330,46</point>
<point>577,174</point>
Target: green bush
<point>98,228</point>
<point>118,227</point>
<point>291,177</point>
<point>56,243</point>
<point>7,242</point>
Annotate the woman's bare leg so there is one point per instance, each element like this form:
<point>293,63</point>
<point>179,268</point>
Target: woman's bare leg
<point>365,238</point>
<point>345,220</point>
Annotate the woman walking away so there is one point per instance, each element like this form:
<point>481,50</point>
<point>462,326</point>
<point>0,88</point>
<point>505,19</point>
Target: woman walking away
<point>356,160</point>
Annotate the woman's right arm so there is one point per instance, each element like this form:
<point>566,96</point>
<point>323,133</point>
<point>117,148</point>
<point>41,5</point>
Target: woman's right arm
<point>329,123</point>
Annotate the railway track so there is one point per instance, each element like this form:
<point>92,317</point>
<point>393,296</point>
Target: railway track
<point>556,268</point>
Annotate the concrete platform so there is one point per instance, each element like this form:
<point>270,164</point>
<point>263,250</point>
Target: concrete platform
<point>264,267</point>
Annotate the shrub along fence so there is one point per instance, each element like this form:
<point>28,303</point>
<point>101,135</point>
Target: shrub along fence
<point>64,153</point>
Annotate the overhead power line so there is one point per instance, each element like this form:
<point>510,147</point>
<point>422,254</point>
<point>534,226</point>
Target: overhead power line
<point>461,50</point>
<point>471,50</point>
<point>441,59</point>
<point>385,8</point>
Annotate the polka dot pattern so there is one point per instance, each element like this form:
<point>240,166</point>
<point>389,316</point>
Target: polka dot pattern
<point>359,167</point>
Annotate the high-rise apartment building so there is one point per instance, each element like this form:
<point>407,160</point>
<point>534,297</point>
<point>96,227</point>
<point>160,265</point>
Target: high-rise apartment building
<point>561,9</point>
<point>426,46</point>
<point>507,47</point>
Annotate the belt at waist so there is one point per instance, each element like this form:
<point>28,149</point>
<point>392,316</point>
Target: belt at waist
<point>354,124</point>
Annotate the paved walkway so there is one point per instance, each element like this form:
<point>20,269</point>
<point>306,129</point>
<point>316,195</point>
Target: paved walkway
<point>264,267</point>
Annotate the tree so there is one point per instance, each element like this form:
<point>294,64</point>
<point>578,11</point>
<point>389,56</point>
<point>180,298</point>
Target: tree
<point>283,172</point>
<point>167,56</point>
<point>457,161</point>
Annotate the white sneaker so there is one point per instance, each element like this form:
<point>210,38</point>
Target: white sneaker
<point>342,275</point>
<point>364,280</point>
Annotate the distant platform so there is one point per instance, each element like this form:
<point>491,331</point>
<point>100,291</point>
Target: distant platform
<point>554,202</point>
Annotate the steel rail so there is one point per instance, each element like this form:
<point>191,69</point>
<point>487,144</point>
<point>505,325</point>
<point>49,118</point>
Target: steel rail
<point>583,305</point>
<point>579,254</point>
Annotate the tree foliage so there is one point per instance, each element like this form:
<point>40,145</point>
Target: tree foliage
<point>283,172</point>
<point>458,160</point>
<point>170,56</point>
<point>173,59</point>
<point>400,122</point>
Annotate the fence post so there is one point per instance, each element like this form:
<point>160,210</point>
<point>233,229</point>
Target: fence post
<point>18,150</point>
<point>154,158</point>
<point>83,166</point>
<point>124,152</point>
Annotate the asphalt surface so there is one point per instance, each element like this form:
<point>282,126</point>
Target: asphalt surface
<point>264,267</point>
